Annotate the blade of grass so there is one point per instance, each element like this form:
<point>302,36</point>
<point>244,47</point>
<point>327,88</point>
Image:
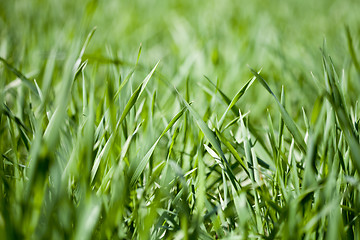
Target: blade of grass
<point>21,76</point>
<point>351,49</point>
<point>134,97</point>
<point>211,137</point>
<point>236,98</point>
<point>140,166</point>
<point>235,111</point>
<point>290,124</point>
<point>123,83</point>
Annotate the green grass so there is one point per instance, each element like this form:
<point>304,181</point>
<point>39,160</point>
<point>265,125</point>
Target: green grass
<point>179,119</point>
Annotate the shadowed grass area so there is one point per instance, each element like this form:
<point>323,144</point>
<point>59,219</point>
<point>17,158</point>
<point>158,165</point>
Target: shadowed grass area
<point>179,119</point>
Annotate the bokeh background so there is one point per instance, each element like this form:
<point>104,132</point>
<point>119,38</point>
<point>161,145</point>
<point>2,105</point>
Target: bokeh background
<point>191,38</point>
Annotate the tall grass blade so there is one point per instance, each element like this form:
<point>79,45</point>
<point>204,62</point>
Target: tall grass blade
<point>287,119</point>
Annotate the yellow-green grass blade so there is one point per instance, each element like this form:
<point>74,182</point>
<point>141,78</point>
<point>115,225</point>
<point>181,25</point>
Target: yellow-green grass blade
<point>134,97</point>
<point>140,166</point>
<point>289,122</point>
<point>237,98</point>
<point>212,139</point>
<point>21,76</point>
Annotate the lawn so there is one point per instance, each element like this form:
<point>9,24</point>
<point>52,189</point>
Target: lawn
<point>179,119</point>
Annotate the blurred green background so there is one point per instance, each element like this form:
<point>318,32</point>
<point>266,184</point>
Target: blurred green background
<point>213,38</point>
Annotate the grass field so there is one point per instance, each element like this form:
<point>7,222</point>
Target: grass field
<point>179,119</point>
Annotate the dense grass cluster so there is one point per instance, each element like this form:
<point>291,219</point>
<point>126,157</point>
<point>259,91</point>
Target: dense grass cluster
<point>179,119</point>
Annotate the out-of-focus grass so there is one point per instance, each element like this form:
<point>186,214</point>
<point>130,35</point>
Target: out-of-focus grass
<point>100,140</point>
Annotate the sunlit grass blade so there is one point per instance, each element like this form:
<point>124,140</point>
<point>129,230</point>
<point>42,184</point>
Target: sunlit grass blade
<point>235,111</point>
<point>102,156</point>
<point>140,166</point>
<point>49,70</point>
<point>86,43</point>
<point>21,76</point>
<point>287,119</point>
<point>212,139</point>
<point>134,97</point>
<point>130,74</point>
<point>236,98</point>
<point>352,50</point>
<point>233,151</point>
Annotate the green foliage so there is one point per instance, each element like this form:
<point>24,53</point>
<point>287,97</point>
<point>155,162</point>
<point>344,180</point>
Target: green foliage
<point>103,139</point>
